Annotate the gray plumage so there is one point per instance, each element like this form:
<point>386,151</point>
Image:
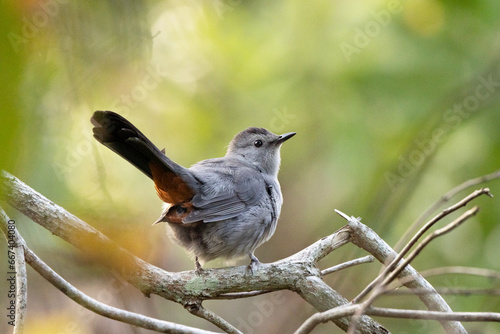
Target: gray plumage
<point>223,207</point>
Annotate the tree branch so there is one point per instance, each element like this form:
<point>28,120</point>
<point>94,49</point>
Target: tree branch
<point>15,242</point>
<point>105,310</point>
<point>318,318</point>
<point>488,273</point>
<point>446,291</point>
<point>454,224</point>
<point>348,264</point>
<point>323,298</point>
<point>199,311</point>
<point>297,273</point>
<point>367,239</point>
<point>462,270</point>
<point>417,236</point>
<point>322,247</point>
<point>445,198</point>
<point>381,287</point>
<point>435,315</point>
<point>347,310</point>
<point>188,287</point>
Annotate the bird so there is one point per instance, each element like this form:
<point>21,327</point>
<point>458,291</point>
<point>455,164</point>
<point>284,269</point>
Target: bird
<point>218,208</point>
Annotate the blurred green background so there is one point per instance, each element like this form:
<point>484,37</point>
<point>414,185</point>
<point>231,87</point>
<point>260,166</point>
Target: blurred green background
<point>394,102</point>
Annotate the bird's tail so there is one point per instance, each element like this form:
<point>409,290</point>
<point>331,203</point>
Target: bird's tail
<point>122,137</point>
<point>173,182</point>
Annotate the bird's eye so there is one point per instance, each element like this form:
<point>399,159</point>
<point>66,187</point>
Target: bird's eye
<point>257,143</point>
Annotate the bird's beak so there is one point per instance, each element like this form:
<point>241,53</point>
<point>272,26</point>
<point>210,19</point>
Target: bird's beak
<point>285,137</point>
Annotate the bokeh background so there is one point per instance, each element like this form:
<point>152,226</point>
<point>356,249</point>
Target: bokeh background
<point>395,103</point>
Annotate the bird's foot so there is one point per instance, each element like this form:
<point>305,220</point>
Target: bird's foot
<point>254,263</point>
<point>199,269</point>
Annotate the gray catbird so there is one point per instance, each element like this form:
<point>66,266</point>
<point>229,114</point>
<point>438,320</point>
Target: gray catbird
<point>223,207</point>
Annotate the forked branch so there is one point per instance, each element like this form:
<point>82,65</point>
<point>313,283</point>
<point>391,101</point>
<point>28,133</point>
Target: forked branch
<point>298,273</point>
<point>188,288</point>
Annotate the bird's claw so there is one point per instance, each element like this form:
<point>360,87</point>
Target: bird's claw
<point>254,263</point>
<point>199,269</point>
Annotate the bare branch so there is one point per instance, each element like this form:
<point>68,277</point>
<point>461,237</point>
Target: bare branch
<point>446,291</point>
<point>445,198</point>
<point>348,264</point>
<point>315,291</point>
<point>84,300</point>
<point>9,230</point>
<point>417,236</point>
<point>457,222</point>
<point>487,273</point>
<point>365,238</point>
<point>330,315</point>
<point>389,273</point>
<point>462,270</point>
<point>393,274</point>
<point>434,315</point>
<point>293,273</point>
<point>238,295</point>
<point>321,248</point>
<point>198,310</point>
<point>297,272</point>
<point>348,310</point>
<point>105,310</point>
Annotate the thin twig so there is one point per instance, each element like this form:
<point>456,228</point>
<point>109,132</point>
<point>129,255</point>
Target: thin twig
<point>322,247</point>
<point>16,250</point>
<point>198,310</point>
<point>442,200</point>
<point>238,295</point>
<point>451,226</point>
<point>434,315</point>
<point>417,236</point>
<point>445,291</point>
<point>388,274</point>
<point>488,273</point>
<point>462,270</point>
<point>312,287</point>
<point>343,311</point>
<point>323,317</point>
<point>348,264</point>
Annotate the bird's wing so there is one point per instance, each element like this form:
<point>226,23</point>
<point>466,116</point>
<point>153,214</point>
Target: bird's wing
<point>174,183</point>
<point>230,192</point>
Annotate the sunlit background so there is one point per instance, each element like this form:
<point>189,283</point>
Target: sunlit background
<point>395,103</point>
